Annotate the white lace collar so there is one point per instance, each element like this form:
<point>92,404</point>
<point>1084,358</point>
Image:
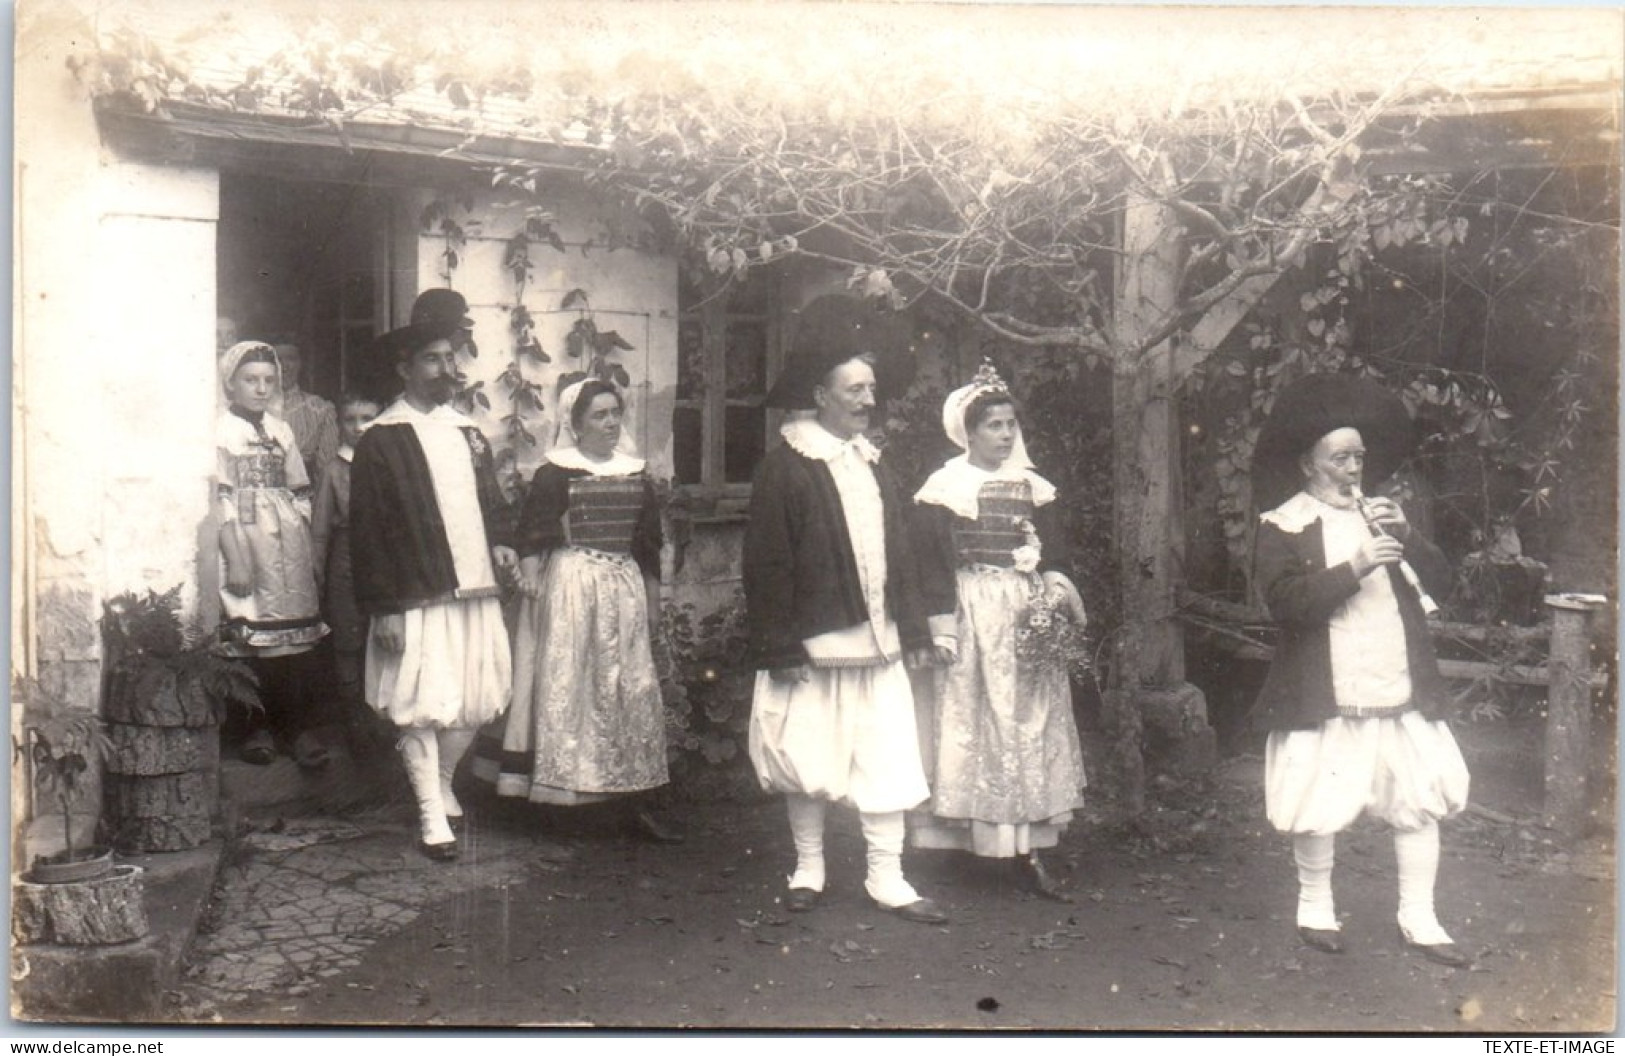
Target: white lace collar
<point>346,452</point>
<point>958,485</point>
<point>811,440</point>
<point>620,464</point>
<point>402,413</point>
<point>1298,513</point>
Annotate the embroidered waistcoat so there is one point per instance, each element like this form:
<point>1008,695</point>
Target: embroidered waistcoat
<point>603,512</point>
<point>264,466</point>
<point>997,531</point>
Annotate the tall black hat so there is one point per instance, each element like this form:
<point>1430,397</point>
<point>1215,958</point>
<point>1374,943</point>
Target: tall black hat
<point>436,313</point>
<point>1315,405</point>
<point>441,305</point>
<point>832,330</point>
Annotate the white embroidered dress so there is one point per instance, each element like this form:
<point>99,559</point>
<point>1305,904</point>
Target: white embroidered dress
<point>1000,740</point>
<point>261,492</point>
<point>587,721</point>
<point>847,733</point>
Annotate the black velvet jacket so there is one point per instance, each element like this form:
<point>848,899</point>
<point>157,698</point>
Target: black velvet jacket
<point>801,577</point>
<point>1302,594</point>
<point>398,540</point>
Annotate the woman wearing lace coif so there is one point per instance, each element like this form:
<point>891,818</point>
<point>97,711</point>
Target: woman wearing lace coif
<point>1353,702</point>
<point>999,740</point>
<point>586,724</point>
<point>269,611</point>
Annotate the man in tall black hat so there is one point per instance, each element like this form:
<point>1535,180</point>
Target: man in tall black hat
<point>427,544</point>
<point>1353,701</point>
<point>834,605</point>
<point>447,308</point>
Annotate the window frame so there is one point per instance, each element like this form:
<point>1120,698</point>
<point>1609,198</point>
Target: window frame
<point>714,497</point>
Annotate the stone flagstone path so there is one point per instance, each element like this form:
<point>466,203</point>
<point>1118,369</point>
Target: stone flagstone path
<point>304,901</point>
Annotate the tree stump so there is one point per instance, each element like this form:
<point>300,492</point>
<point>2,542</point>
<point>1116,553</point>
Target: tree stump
<point>152,696</point>
<point>163,834</point>
<point>97,912</point>
<point>163,812</point>
<point>162,786</point>
<point>159,796</point>
<point>150,751</point>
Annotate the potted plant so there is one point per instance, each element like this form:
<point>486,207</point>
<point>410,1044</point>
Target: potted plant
<point>78,896</point>
<point>164,696</point>
<point>59,745</point>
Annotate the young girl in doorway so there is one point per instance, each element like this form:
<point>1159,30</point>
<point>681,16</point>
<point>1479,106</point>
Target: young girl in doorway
<point>269,612</point>
<point>330,529</point>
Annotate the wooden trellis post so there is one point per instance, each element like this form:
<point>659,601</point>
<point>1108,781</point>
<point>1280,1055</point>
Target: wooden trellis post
<point>1568,714</point>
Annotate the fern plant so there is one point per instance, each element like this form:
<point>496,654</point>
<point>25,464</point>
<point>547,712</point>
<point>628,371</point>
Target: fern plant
<point>144,641</point>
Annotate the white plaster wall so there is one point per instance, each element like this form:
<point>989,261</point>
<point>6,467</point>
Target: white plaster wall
<point>161,394</point>
<point>56,484</point>
<point>113,358</point>
<point>631,292</point>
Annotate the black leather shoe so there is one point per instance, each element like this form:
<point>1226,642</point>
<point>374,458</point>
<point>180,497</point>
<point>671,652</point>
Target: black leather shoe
<point>1445,953</point>
<point>259,749</point>
<point>649,827</point>
<point>1321,939</point>
<point>802,899</point>
<point>920,911</point>
<point>439,852</point>
<point>1038,878</point>
<point>311,755</point>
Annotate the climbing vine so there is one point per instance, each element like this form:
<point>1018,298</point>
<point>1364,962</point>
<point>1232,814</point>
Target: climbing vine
<point>1495,431</point>
<point>525,394</point>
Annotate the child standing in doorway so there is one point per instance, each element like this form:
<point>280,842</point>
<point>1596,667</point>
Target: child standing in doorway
<point>331,532</point>
<point>270,615</point>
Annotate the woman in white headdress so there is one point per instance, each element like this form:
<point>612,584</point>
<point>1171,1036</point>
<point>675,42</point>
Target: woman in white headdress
<point>586,723</point>
<point>999,738</point>
<point>269,610</point>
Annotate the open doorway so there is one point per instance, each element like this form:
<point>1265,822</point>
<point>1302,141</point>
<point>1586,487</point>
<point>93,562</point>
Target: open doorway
<point>309,262</point>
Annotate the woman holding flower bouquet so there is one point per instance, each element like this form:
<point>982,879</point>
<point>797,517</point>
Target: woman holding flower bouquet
<point>998,736</point>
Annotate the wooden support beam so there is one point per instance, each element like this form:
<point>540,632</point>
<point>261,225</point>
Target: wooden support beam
<point>1245,626</point>
<point>1475,670</point>
<point>1568,713</point>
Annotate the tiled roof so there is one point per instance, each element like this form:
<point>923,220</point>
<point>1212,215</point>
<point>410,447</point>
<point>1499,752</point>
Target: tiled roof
<point>808,56</point>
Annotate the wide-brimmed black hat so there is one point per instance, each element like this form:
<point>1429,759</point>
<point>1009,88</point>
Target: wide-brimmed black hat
<point>404,340</point>
<point>832,330</point>
<point>1313,406</point>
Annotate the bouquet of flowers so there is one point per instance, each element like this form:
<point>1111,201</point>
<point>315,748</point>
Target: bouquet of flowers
<point>1050,637</point>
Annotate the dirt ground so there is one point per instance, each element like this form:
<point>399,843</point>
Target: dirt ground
<point>1181,922</point>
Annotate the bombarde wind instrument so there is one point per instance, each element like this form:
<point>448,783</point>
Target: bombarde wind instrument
<point>1429,606</point>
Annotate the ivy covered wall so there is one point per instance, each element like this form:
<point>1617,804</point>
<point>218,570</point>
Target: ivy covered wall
<point>522,324</point>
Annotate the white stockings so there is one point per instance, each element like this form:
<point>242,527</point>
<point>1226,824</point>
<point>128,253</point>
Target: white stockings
<point>1417,856</point>
<point>883,846</point>
<point>431,757</point>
